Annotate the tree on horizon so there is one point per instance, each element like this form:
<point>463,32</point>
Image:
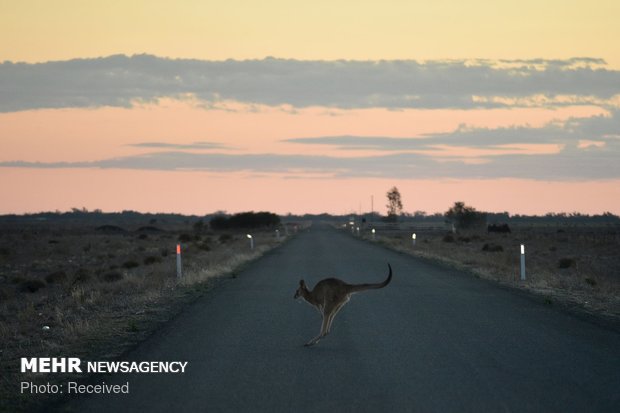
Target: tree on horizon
<point>394,205</point>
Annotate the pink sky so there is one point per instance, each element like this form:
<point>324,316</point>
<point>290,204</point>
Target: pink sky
<point>69,135</point>
<point>56,135</point>
<point>31,190</point>
<point>309,108</point>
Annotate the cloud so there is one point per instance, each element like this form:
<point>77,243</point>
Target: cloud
<point>570,132</point>
<point>572,163</point>
<point>479,138</point>
<point>589,148</point>
<point>181,146</point>
<point>121,81</point>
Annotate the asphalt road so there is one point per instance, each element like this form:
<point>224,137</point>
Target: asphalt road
<point>434,340</point>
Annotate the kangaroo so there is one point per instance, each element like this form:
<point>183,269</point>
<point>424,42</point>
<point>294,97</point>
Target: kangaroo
<point>329,296</point>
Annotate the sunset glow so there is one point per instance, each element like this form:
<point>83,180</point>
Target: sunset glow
<point>180,107</point>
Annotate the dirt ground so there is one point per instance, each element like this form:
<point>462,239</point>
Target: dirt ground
<point>87,289</point>
<point>577,264</point>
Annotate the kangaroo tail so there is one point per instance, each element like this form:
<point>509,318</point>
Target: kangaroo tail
<point>362,287</point>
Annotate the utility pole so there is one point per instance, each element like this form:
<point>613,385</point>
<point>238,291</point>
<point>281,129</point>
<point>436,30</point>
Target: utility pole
<point>372,206</point>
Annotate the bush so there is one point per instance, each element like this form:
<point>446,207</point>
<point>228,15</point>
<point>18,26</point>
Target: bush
<point>492,248</point>
<point>31,286</point>
<point>224,238</point>
<point>112,276</point>
<point>151,260</point>
<point>501,228</point>
<point>204,246</point>
<point>149,229</point>
<point>110,229</point>
<point>590,281</point>
<point>130,264</point>
<point>448,238</point>
<point>219,222</point>
<point>81,276</point>
<point>56,277</point>
<point>566,263</point>
<point>245,220</point>
<point>199,225</point>
<point>466,217</point>
<point>185,238</point>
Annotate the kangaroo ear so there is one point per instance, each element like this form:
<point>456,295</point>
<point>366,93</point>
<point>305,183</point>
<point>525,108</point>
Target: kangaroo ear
<point>302,283</point>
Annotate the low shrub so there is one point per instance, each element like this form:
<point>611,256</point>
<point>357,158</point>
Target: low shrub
<point>245,220</point>
<point>448,238</point>
<point>112,276</point>
<point>566,263</point>
<point>110,229</point>
<point>489,247</point>
<point>204,246</point>
<point>185,238</point>
<point>151,259</point>
<point>224,238</point>
<point>31,286</point>
<point>56,277</point>
<point>501,228</point>
<point>150,229</point>
<point>81,276</point>
<point>130,264</point>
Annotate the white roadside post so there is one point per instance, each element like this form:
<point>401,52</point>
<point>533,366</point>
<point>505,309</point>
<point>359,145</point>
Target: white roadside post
<point>373,234</point>
<point>358,231</point>
<point>522,262</point>
<point>278,234</point>
<point>251,241</point>
<point>179,271</point>
<point>413,237</point>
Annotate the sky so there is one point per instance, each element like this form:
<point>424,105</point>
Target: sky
<point>309,107</point>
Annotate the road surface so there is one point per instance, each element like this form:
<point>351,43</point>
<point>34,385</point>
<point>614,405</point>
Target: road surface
<point>434,340</point>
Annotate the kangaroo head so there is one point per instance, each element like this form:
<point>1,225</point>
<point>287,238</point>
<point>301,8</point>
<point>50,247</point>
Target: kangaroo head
<point>301,289</point>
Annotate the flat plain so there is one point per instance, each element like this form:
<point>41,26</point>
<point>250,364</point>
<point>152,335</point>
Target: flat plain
<point>87,286</point>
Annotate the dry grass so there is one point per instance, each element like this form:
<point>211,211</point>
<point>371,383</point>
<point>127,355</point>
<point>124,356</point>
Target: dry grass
<point>578,265</point>
<point>103,305</point>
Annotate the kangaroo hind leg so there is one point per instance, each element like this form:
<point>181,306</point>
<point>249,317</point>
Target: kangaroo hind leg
<point>322,334</point>
<point>333,315</point>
